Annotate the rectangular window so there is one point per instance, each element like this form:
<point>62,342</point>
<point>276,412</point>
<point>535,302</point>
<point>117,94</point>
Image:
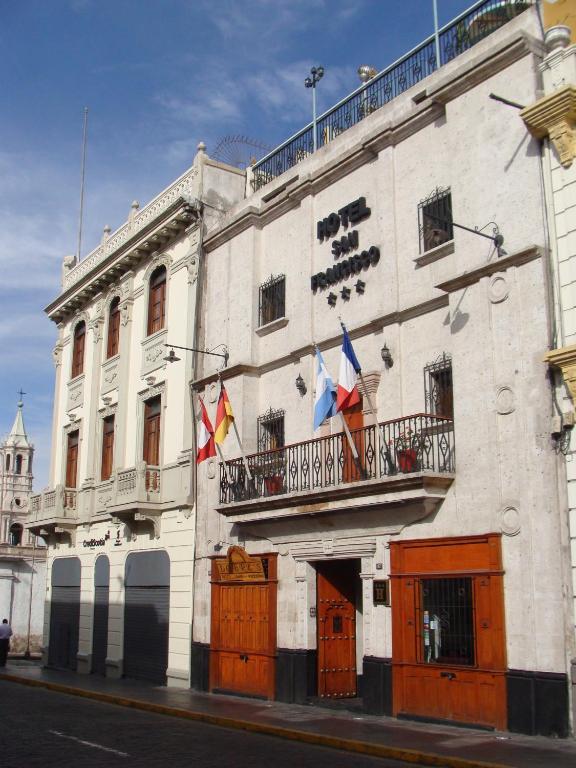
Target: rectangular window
<point>107,448</point>
<point>438,392</point>
<point>151,447</point>
<point>113,329</point>
<point>271,430</point>
<point>272,304</point>
<point>447,621</point>
<point>435,220</point>
<point>72,459</point>
<point>157,301</point>
<point>78,349</point>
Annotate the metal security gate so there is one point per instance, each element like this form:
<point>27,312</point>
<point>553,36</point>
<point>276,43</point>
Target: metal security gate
<point>64,613</point>
<point>100,625</point>
<point>146,616</point>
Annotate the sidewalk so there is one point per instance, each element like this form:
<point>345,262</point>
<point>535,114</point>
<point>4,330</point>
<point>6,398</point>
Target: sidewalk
<point>416,743</point>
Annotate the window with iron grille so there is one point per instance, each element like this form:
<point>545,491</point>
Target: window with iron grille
<point>438,392</point>
<point>435,219</point>
<point>446,621</point>
<point>272,304</point>
<point>271,430</point>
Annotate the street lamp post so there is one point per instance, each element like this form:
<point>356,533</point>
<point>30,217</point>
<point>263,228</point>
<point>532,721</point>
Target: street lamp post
<point>311,82</point>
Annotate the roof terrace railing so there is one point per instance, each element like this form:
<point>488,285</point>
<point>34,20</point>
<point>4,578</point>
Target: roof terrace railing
<point>458,36</point>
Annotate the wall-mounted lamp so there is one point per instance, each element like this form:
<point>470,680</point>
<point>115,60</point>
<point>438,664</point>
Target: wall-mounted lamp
<point>300,385</point>
<point>386,357</point>
<point>172,357</point>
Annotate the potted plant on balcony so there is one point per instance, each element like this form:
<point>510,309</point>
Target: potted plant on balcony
<point>407,444</point>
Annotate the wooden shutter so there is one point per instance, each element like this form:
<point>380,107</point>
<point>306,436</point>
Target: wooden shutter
<point>72,460</point>
<point>107,448</point>
<point>157,300</point>
<point>151,448</point>
<point>113,329</point>
<point>78,349</point>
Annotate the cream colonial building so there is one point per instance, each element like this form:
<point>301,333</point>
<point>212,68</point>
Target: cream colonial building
<point>119,516</point>
<point>427,576</point>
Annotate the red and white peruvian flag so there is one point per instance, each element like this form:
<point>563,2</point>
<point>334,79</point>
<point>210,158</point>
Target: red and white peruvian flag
<point>206,447</point>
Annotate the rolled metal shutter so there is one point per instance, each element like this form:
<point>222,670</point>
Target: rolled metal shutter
<point>146,616</point>
<point>64,613</point>
<point>100,625</point>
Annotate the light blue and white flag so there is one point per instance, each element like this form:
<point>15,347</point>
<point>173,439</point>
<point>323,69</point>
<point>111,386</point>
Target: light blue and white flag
<point>325,402</point>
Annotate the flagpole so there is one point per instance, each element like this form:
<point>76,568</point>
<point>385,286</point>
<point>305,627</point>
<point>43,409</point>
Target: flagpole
<point>228,483</point>
<point>387,455</point>
<point>353,448</point>
<point>244,459</point>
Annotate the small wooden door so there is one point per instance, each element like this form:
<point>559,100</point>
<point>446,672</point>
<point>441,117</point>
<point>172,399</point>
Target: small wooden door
<point>351,469</point>
<point>336,590</point>
<point>243,633</point>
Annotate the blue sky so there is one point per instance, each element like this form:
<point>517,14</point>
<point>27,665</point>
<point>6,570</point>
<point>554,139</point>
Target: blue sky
<point>157,76</point>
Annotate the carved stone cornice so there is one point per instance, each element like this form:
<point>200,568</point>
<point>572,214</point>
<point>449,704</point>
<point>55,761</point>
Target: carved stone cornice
<point>565,359</point>
<point>555,116</point>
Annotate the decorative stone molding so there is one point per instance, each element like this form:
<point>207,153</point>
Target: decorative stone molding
<point>96,327</point>
<point>372,382</point>
<point>499,289</point>
<point>505,400</point>
<point>565,360</point>
<point>510,522</point>
<point>126,311</point>
<point>192,266</point>
<point>555,116</point>
<point>153,352</point>
<point>159,259</point>
<point>75,393</point>
<point>186,188</point>
<point>152,391</point>
<point>110,375</point>
<point>57,355</point>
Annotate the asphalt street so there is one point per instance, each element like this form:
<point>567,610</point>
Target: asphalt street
<point>45,728</point>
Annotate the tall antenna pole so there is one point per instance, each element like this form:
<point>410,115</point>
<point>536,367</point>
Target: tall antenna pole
<point>82,175</point>
<point>436,35</point>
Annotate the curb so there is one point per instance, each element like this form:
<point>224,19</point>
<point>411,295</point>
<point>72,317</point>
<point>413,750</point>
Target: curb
<point>348,745</point>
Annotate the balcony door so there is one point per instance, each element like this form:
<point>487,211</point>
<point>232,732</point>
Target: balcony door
<point>336,611</point>
<point>151,447</point>
<point>72,460</point>
<point>352,468</point>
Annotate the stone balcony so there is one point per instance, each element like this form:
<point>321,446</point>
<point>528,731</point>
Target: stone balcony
<point>133,496</point>
<point>54,513</point>
<point>403,464</point>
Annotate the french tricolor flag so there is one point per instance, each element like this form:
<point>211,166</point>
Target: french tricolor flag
<point>348,394</point>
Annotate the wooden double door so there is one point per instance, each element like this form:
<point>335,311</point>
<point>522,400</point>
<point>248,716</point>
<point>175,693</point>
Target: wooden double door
<point>449,653</point>
<point>336,629</point>
<point>243,624</point>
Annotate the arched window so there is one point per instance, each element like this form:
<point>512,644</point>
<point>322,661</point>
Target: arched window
<point>113,328</point>
<point>19,464</point>
<point>78,349</point>
<point>157,300</point>
<point>7,462</point>
<point>15,537</point>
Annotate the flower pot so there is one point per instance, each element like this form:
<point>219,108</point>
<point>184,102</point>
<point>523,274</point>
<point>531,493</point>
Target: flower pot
<point>274,484</point>
<point>407,459</point>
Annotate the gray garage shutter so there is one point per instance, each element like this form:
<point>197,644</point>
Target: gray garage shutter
<point>100,625</point>
<point>146,616</point>
<point>64,613</point>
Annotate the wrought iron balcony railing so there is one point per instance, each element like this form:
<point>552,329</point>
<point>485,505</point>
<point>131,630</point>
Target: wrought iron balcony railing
<point>459,35</point>
<point>419,443</point>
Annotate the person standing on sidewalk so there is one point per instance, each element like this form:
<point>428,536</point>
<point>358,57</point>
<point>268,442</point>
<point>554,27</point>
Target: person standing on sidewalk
<point>5,635</point>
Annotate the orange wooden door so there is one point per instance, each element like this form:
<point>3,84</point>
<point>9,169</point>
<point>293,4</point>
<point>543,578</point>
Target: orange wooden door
<point>448,630</point>
<point>336,587</point>
<point>351,469</point>
<point>243,642</point>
